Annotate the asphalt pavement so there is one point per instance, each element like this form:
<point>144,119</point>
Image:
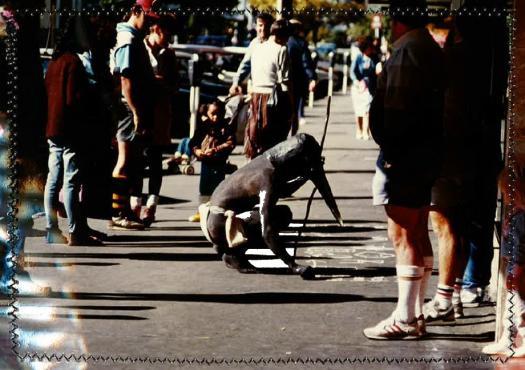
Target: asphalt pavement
<point>161,296</point>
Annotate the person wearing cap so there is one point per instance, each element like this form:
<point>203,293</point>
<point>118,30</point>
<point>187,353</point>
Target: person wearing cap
<point>406,120</point>
<point>263,24</point>
<point>131,67</point>
<point>302,71</point>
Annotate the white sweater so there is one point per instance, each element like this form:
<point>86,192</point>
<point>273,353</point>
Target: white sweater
<point>269,65</point>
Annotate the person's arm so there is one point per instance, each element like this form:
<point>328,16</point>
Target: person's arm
<point>127,91</point>
<point>309,67</point>
<point>244,70</point>
<point>353,65</point>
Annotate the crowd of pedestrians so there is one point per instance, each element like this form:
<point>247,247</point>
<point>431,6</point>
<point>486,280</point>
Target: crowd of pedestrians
<point>423,105</point>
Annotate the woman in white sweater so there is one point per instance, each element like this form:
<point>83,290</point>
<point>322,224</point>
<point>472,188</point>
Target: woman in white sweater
<point>271,113</point>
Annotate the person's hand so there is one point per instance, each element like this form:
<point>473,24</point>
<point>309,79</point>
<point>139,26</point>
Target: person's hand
<point>199,153</point>
<point>137,125</point>
<point>235,90</point>
<point>312,85</point>
<point>361,85</point>
<point>209,152</point>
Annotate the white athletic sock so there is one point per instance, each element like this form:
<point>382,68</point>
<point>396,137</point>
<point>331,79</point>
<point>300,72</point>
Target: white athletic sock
<point>153,200</point>
<point>444,295</point>
<point>428,262</point>
<point>135,204</point>
<point>408,282</point>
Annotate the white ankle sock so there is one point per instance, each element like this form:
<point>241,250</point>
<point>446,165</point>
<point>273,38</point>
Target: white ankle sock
<point>444,295</point>
<point>428,262</point>
<point>153,200</point>
<point>408,282</point>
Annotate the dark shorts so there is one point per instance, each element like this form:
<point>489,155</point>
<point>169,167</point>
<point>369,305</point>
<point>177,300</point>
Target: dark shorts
<point>125,127</point>
<point>450,192</point>
<point>411,190</point>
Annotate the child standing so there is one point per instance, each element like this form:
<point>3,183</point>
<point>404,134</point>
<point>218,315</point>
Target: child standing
<point>212,144</point>
<point>513,252</point>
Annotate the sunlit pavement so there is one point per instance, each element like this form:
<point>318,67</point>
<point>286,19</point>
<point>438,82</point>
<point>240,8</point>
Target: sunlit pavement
<point>162,293</point>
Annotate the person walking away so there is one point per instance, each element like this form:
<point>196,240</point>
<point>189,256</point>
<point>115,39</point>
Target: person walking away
<point>302,72</point>
<point>164,66</point>
<point>363,76</point>
<point>132,69</point>
<point>212,144</point>
<point>406,121</point>
<point>271,105</point>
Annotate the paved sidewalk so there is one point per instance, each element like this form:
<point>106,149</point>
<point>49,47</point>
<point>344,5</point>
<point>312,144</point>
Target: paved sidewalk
<point>163,292</point>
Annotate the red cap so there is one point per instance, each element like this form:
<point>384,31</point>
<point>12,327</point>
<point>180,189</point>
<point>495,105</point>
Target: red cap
<point>147,6</point>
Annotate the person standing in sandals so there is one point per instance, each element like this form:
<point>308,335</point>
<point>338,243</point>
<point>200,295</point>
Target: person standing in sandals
<point>406,120</point>
<point>271,109</point>
<point>67,90</point>
<point>165,67</point>
<point>131,68</point>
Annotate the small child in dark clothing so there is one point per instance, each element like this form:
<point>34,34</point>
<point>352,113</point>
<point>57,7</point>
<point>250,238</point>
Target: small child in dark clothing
<point>212,143</point>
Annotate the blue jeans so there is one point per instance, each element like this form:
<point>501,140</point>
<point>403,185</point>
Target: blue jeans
<point>184,147</point>
<point>63,171</point>
<point>479,238</point>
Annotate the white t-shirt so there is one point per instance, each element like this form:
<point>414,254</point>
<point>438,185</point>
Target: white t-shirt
<point>269,65</point>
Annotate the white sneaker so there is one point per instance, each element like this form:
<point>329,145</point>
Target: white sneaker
<point>497,348</point>
<point>392,329</point>
<point>471,297</point>
<point>434,312</point>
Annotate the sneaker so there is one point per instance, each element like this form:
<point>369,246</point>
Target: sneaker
<point>471,297</point>
<point>55,236</point>
<point>497,348</point>
<point>83,240</point>
<point>434,312</point>
<point>421,326</point>
<point>392,329</point>
<point>148,216</point>
<point>458,310</point>
<point>195,218</point>
<point>125,223</point>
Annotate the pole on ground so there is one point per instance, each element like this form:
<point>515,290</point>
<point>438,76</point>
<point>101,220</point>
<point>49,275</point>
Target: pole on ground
<point>193,74</point>
<point>311,93</point>
<point>346,58</point>
<point>331,59</point>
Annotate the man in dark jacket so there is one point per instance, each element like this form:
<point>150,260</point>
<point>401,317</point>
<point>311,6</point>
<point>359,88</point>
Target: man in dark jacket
<point>302,70</point>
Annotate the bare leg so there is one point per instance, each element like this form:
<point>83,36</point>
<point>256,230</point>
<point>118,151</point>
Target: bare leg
<point>448,246</point>
<point>358,127</point>
<point>366,127</point>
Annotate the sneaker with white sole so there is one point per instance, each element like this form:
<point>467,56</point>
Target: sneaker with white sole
<point>392,329</point>
<point>472,297</point>
<point>125,223</point>
<point>498,348</point>
<point>433,312</point>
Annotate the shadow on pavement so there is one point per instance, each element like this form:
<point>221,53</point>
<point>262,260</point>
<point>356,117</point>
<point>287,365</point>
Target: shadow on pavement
<point>246,298</point>
<point>487,336</point>
<point>182,257</point>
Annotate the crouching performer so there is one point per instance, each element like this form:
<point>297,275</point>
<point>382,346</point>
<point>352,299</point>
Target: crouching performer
<point>243,212</point>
